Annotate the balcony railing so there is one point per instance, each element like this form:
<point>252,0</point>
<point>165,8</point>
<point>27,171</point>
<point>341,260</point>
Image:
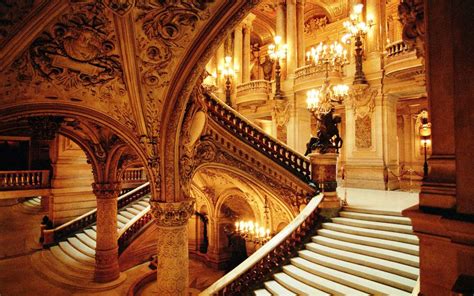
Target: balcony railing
<point>396,48</point>
<point>134,175</point>
<point>308,72</point>
<point>15,180</point>
<point>251,134</point>
<point>253,92</point>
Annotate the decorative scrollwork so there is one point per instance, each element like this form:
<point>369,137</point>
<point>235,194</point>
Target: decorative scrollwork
<point>169,214</point>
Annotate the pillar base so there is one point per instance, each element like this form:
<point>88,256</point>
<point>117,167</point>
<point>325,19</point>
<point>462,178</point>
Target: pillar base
<point>106,266</point>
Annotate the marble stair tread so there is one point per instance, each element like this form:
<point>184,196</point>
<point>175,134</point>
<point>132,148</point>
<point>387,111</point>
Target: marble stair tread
<point>371,211</point>
<point>75,254</point>
<point>370,273</point>
<point>320,283</point>
<point>381,264</point>
<point>88,241</point>
<point>120,225</point>
<point>68,260</point>
<point>390,235</point>
<point>64,270</point>
<point>122,219</point>
<point>138,207</point>
<point>375,217</point>
<point>381,253</point>
<point>370,241</point>
<point>127,214</point>
<point>32,203</point>
<point>91,233</point>
<point>296,286</point>
<point>133,211</point>
<point>374,225</point>
<point>146,198</point>
<point>278,290</point>
<point>94,227</point>
<point>144,203</point>
<point>81,247</point>
<point>262,292</point>
<point>344,278</point>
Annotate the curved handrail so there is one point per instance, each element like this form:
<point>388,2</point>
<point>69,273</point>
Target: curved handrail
<point>50,236</point>
<point>133,227</point>
<point>269,257</point>
<point>251,134</point>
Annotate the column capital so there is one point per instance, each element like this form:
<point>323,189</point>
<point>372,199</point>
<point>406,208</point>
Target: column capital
<point>106,190</point>
<point>172,214</point>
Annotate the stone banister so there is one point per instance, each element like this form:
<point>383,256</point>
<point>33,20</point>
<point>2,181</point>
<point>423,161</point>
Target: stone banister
<point>24,179</point>
<point>134,175</point>
<point>51,236</point>
<point>251,134</point>
<point>270,257</point>
<point>260,86</point>
<point>396,48</point>
<point>133,227</point>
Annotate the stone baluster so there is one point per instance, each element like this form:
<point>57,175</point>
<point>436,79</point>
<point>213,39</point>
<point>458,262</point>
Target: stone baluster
<point>106,253</point>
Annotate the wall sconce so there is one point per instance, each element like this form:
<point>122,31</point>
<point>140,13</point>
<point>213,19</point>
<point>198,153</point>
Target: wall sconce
<point>228,73</point>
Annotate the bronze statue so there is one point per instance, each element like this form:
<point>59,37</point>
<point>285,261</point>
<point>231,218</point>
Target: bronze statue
<point>328,134</point>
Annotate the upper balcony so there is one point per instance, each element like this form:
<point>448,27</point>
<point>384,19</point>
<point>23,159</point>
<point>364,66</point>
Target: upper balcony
<point>308,76</point>
<point>401,62</point>
<point>254,92</point>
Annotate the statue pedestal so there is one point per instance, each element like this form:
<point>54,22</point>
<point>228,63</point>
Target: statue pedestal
<point>324,172</point>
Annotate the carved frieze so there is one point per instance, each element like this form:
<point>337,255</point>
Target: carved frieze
<point>363,132</point>
<point>362,100</point>
<point>120,7</point>
<point>315,24</point>
<point>172,214</point>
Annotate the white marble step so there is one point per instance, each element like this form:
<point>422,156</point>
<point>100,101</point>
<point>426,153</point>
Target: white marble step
<point>374,225</point>
<point>91,233</point>
<point>138,207</point>
<point>375,217</point>
<point>127,214</point>
<point>347,279</point>
<point>32,203</point>
<point>63,257</point>
<point>120,225</point>
<point>370,273</point>
<point>262,292</point>
<point>390,255</point>
<point>319,282</point>
<point>390,235</point>
<point>370,241</point>
<point>371,211</point>
<point>88,241</point>
<point>122,219</point>
<point>81,247</point>
<point>144,203</point>
<point>296,286</point>
<point>133,211</point>
<point>381,264</point>
<point>278,290</point>
<point>75,254</point>
<point>94,227</point>
<point>64,270</point>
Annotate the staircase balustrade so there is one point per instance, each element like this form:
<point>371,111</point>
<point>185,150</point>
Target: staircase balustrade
<point>133,228</point>
<point>134,175</point>
<point>51,236</point>
<point>271,257</point>
<point>257,138</point>
<point>28,179</point>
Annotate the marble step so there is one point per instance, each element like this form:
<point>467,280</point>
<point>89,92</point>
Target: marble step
<point>127,214</point>
<point>120,225</point>
<point>262,292</point>
<point>362,271</point>
<point>371,211</point>
<point>138,207</point>
<point>375,217</point>
<point>81,247</point>
<point>296,286</point>
<point>389,235</point>
<point>66,271</point>
<point>133,211</point>
<point>122,219</point>
<point>67,260</point>
<point>91,233</point>
<point>344,278</point>
<point>320,283</point>
<point>381,253</point>
<point>88,241</point>
<point>381,264</point>
<point>144,203</point>
<point>94,227</point>
<point>370,241</point>
<point>278,290</point>
<point>374,225</point>
<point>75,254</point>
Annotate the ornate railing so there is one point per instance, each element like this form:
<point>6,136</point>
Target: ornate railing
<point>134,175</point>
<point>271,257</point>
<point>133,227</point>
<point>14,180</point>
<point>51,236</point>
<point>396,48</point>
<point>257,138</point>
<point>315,71</point>
<point>254,86</point>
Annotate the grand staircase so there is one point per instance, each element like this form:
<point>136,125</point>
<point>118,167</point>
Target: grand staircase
<point>361,252</point>
<point>71,262</point>
<point>31,205</point>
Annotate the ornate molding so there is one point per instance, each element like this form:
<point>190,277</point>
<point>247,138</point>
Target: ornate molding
<point>315,24</point>
<point>106,190</point>
<point>45,127</point>
<point>120,7</point>
<point>281,112</point>
<point>411,14</point>
<point>362,99</point>
<point>172,214</point>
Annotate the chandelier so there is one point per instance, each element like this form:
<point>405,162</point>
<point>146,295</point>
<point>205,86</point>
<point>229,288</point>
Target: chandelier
<point>252,231</point>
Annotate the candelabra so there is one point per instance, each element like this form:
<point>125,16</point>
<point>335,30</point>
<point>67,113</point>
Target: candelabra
<point>320,102</point>
<point>277,51</point>
<point>357,29</point>
<point>228,73</point>
<point>253,232</point>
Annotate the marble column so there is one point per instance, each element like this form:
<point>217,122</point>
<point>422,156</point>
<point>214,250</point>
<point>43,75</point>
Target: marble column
<point>238,36</point>
<point>291,38</point>
<point>281,20</point>
<point>173,260</point>
<point>106,252</point>
<point>373,11</point>
<point>300,32</point>
<point>220,55</point>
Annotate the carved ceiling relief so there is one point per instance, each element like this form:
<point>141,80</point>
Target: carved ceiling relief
<point>12,14</point>
<point>75,59</point>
